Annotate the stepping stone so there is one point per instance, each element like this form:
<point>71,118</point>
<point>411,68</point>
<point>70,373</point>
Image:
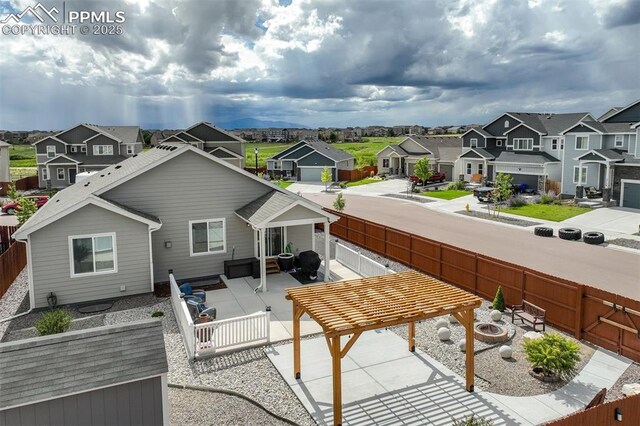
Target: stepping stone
<point>531,335</point>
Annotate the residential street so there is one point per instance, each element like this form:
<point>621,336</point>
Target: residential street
<point>612,270</point>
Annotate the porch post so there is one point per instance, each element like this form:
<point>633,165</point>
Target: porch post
<point>580,173</point>
<point>327,251</point>
<point>263,262</point>
<point>607,176</point>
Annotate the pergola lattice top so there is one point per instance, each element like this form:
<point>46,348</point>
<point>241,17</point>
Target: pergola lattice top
<point>369,303</point>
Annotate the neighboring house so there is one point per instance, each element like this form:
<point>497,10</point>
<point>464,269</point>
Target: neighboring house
<point>83,148</point>
<point>528,146</point>
<point>401,159</point>
<point>5,172</point>
<point>106,375</point>
<point>118,232</point>
<point>605,153</point>
<point>211,139</point>
<point>306,160</point>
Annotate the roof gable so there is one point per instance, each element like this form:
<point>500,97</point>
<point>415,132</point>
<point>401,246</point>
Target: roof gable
<point>222,152</point>
<point>53,138</point>
<point>499,117</point>
<point>288,150</point>
<point>630,113</point>
<point>583,127</point>
<point>523,125</point>
<point>209,133</point>
<point>77,134</point>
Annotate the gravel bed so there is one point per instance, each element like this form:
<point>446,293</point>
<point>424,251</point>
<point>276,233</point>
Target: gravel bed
<point>192,407</point>
<point>12,301</point>
<point>416,198</point>
<point>631,375</point>
<point>625,242</point>
<point>502,219</point>
<point>77,324</point>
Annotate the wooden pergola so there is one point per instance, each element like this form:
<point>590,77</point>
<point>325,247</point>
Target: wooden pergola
<point>352,307</point>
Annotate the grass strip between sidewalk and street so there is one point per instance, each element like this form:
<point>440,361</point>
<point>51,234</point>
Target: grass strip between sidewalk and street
<point>551,212</point>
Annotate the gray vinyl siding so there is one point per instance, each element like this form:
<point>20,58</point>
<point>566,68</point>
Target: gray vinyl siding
<point>77,135</point>
<point>497,127</point>
<point>51,263</point>
<point>300,236</point>
<point>296,213</point>
<point>346,164</point>
<point>316,159</point>
<point>466,140</point>
<point>609,141</point>
<point>41,148</point>
<point>53,175</point>
<point>570,153</point>
<point>190,187</point>
<point>412,147</point>
<point>101,140</point>
<point>297,153</point>
<point>135,403</point>
<point>629,115</point>
<point>524,132</point>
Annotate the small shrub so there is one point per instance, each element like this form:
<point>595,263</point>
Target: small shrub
<point>343,185</point>
<point>53,322</point>
<point>339,203</point>
<point>471,420</point>
<point>467,208</point>
<point>517,201</point>
<point>157,314</point>
<point>548,198</point>
<point>555,354</point>
<point>498,301</point>
<point>457,186</point>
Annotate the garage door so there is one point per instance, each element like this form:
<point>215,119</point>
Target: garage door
<point>448,171</point>
<point>631,194</point>
<point>308,174</point>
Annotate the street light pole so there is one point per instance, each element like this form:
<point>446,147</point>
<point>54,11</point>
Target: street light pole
<point>255,151</point>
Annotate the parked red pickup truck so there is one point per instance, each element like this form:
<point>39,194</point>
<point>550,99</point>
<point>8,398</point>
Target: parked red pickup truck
<point>436,177</point>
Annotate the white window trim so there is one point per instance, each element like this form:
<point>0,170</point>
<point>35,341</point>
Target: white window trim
<point>515,144</point>
<point>586,147</point>
<point>468,168</point>
<point>619,141</point>
<point>224,236</point>
<point>473,142</point>
<point>83,148</point>
<point>506,124</point>
<point>584,175</point>
<point>51,152</point>
<point>45,174</point>
<point>554,144</point>
<point>96,149</point>
<point>480,168</point>
<point>74,148</point>
<point>58,170</point>
<point>92,236</point>
<point>498,142</point>
<point>130,150</point>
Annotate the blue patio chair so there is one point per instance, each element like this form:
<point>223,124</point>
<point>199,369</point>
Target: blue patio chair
<point>200,308</point>
<point>189,293</point>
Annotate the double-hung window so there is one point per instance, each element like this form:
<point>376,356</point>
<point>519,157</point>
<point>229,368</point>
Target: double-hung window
<point>385,162</point>
<point>576,175</point>
<point>51,151</point>
<point>130,150</point>
<point>468,168</point>
<point>93,254</point>
<point>474,142</point>
<point>207,237</point>
<point>103,150</point>
<point>61,173</point>
<point>619,141</point>
<point>582,142</point>
<point>523,144</point>
<point>45,174</point>
<point>554,144</point>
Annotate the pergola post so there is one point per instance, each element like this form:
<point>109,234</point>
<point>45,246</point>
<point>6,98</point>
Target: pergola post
<point>263,259</point>
<point>469,337</point>
<point>336,361</point>
<point>412,336</point>
<point>327,252</point>
<point>297,314</point>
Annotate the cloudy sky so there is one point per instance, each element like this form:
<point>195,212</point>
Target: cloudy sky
<point>322,63</point>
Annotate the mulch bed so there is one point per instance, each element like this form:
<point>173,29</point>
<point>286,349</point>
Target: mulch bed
<point>625,242</point>
<point>163,290</point>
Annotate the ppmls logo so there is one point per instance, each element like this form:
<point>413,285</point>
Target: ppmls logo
<point>39,12</point>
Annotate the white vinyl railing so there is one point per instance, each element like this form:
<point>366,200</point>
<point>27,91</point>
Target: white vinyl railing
<point>183,317</point>
<point>212,337</point>
<point>223,335</point>
<point>358,263</point>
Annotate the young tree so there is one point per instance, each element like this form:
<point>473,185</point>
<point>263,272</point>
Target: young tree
<point>422,170</point>
<point>502,191</point>
<point>498,301</point>
<point>326,178</point>
<point>27,205</point>
<point>339,202</point>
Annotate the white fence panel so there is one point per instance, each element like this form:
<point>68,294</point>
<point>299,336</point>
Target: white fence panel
<point>183,317</point>
<point>215,336</point>
<point>359,263</point>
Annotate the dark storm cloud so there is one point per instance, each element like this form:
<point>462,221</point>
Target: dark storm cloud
<point>623,15</point>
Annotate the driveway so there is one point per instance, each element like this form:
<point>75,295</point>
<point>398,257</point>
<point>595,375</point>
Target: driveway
<point>612,270</point>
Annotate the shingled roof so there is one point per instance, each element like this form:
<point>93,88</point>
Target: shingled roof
<point>48,367</point>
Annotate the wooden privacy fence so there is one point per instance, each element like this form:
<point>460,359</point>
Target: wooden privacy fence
<point>601,317</point>
<point>353,175</point>
<point>627,408</point>
<point>24,184</point>
<point>12,261</point>
<point>5,237</point>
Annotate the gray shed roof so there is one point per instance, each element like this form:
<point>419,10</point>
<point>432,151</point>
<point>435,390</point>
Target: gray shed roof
<point>264,207</point>
<point>48,367</point>
<point>525,157</point>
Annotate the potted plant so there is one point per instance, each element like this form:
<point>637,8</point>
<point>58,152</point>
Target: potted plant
<point>553,357</point>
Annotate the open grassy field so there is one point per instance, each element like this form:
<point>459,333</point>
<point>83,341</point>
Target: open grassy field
<point>364,152</point>
<point>552,212</point>
<point>22,156</point>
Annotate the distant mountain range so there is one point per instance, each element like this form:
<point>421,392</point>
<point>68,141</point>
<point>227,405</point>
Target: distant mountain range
<point>250,123</point>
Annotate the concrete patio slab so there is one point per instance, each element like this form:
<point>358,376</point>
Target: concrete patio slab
<point>384,383</point>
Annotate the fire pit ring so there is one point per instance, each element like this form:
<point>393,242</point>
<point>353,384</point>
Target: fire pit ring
<point>490,333</point>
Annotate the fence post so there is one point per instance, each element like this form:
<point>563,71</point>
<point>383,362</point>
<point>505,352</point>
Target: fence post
<point>579,302</point>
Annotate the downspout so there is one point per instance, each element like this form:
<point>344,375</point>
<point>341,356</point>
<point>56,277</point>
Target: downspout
<point>151,255</point>
<point>29,272</point>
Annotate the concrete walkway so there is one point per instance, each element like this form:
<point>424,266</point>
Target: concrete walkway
<point>385,384</point>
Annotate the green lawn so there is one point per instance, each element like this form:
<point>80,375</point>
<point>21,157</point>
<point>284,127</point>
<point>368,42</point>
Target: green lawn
<point>364,152</point>
<point>447,194</point>
<point>364,181</point>
<point>552,212</point>
<point>22,156</point>
<point>283,184</point>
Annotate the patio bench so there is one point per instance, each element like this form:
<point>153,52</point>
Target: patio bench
<point>530,313</point>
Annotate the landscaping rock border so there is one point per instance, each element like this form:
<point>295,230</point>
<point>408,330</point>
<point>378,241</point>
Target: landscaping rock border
<point>501,219</point>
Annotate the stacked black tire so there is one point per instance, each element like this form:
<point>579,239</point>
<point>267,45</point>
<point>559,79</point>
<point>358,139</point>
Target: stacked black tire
<point>543,231</point>
<point>573,234</point>
<point>593,238</point>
